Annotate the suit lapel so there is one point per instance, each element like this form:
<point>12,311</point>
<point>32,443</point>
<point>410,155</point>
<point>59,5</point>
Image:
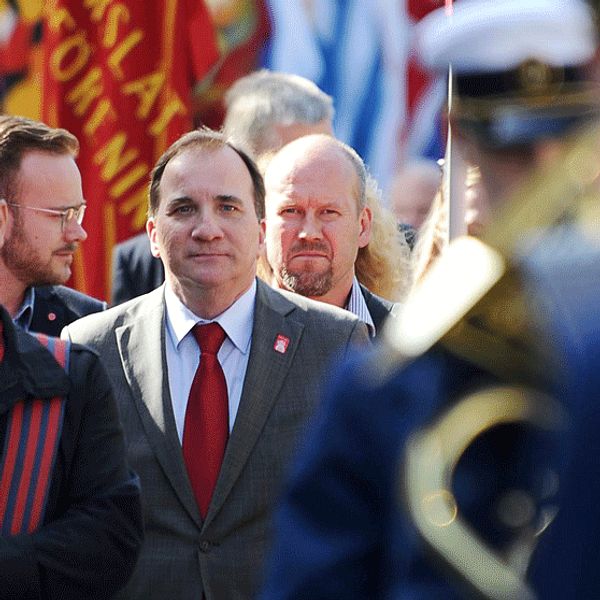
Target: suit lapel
<point>48,314</point>
<point>141,345</point>
<point>379,308</point>
<point>265,375</point>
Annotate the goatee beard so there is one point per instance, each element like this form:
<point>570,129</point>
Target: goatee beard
<point>312,285</point>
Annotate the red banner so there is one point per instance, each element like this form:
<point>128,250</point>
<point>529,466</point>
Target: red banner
<point>119,76</point>
<point>242,28</point>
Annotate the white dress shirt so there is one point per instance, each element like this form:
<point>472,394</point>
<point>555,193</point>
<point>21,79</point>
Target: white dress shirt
<point>183,353</point>
<point>358,306</point>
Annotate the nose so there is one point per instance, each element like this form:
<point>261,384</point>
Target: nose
<point>206,227</point>
<point>311,228</point>
<point>74,232</point>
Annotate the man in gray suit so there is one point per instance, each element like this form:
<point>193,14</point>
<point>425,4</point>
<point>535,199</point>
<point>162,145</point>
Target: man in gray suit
<point>206,202</point>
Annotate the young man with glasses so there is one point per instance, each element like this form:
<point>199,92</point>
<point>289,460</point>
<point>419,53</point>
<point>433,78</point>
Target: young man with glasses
<point>41,185</point>
<point>70,513</point>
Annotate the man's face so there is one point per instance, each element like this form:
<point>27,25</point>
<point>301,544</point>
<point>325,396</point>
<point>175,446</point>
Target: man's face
<point>313,225</point>
<point>412,192</point>
<point>206,230</point>
<point>37,251</point>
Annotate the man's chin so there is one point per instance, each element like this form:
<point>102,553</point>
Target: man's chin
<point>311,285</point>
<point>54,277</point>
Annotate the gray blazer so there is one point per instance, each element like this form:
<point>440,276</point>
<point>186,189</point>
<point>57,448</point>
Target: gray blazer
<point>222,557</point>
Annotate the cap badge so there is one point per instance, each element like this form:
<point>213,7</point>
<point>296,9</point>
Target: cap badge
<point>535,76</point>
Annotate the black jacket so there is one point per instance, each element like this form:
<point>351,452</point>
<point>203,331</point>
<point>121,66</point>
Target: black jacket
<point>56,306</point>
<point>134,270</point>
<point>379,307</point>
<point>92,530</point>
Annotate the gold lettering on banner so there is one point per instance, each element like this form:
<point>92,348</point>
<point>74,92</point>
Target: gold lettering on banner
<point>113,157</point>
<point>104,109</point>
<point>122,50</point>
<point>117,13</point>
<point>137,204</point>
<point>126,182</point>
<point>97,8</point>
<point>147,89</point>
<point>173,108</point>
<point>64,69</point>
<point>56,16</point>
<point>99,85</point>
<point>86,91</point>
<point>30,10</point>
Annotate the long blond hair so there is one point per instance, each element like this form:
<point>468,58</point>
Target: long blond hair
<point>432,237</point>
<point>383,265</point>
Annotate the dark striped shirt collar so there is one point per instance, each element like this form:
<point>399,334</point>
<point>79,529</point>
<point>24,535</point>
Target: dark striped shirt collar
<point>357,305</point>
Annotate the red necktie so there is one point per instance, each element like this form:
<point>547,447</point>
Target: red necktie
<point>206,424</point>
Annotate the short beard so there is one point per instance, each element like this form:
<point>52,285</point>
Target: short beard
<point>311,285</point>
<point>21,260</point>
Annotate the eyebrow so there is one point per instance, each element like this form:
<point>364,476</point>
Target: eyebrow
<point>67,206</point>
<point>178,200</point>
<point>228,198</point>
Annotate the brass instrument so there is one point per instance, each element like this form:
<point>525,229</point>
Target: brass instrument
<point>431,457</point>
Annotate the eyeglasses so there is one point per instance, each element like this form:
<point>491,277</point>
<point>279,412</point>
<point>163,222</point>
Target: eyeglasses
<point>66,216</point>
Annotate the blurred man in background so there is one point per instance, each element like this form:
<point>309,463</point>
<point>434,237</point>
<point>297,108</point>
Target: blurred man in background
<point>266,110</point>
<point>413,189</point>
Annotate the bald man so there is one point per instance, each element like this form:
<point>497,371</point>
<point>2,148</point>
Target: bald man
<point>316,220</point>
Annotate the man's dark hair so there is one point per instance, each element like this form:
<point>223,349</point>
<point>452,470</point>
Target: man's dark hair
<point>210,140</point>
<point>18,136</point>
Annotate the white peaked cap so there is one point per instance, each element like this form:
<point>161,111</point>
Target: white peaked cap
<point>498,35</point>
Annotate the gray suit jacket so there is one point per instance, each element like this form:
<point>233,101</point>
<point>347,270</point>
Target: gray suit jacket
<point>222,557</point>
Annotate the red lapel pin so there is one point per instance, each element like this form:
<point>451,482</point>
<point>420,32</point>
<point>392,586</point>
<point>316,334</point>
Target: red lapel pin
<point>281,343</point>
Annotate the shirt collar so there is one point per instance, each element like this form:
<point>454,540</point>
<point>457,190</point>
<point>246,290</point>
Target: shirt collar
<point>236,321</point>
<point>357,305</point>
<point>24,315</point>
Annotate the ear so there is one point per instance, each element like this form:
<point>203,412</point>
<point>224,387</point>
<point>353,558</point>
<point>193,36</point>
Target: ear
<point>152,234</point>
<point>366,221</point>
<point>261,236</point>
<point>3,221</point>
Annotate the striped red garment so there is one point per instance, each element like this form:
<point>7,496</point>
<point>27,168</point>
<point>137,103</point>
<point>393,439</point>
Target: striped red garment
<point>30,447</point>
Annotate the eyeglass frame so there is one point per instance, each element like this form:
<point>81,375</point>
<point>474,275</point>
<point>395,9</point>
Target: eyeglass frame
<point>76,213</point>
